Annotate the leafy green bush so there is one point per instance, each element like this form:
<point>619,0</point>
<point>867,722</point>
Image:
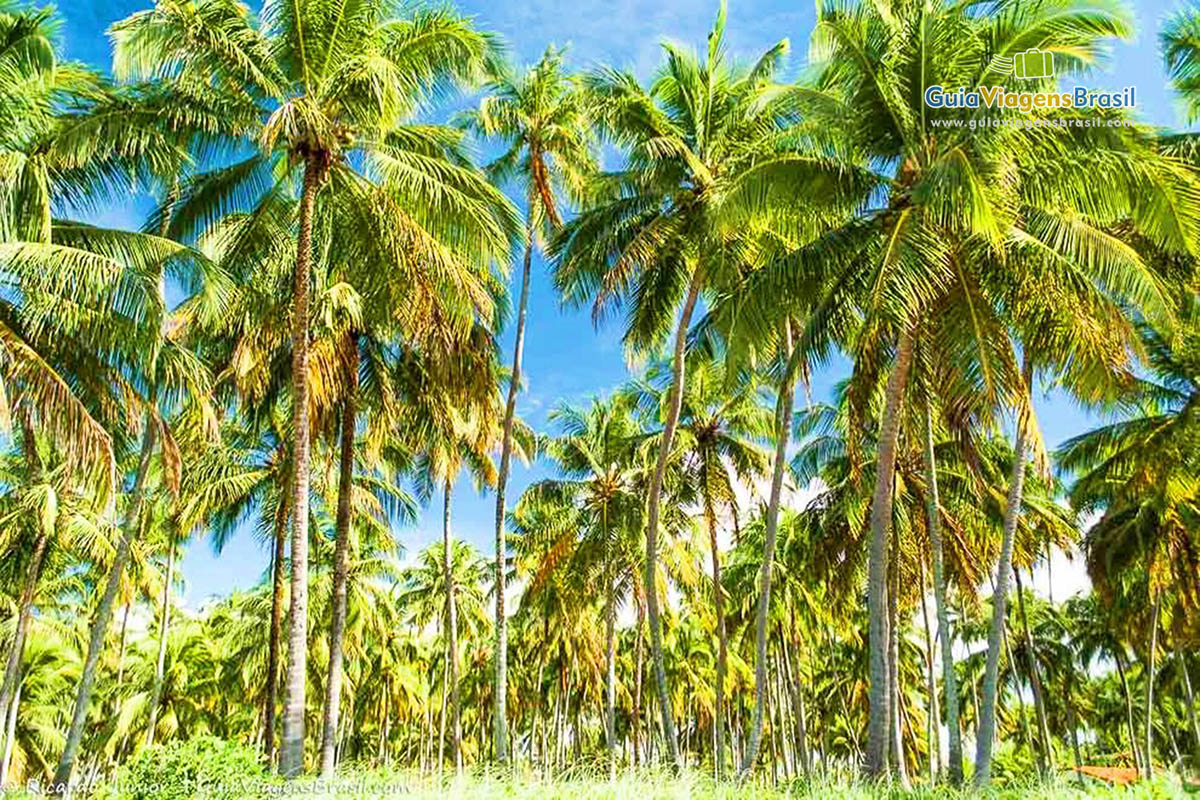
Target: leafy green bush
<point>202,767</point>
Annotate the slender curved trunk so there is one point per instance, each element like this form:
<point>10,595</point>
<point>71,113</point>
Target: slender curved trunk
<point>639,653</point>
<point>610,688</point>
<point>341,555</point>
<point>87,678</point>
<point>941,608</point>
<point>783,431</point>
<point>276,635</point>
<point>10,730</point>
<point>1131,729</point>
<point>881,522</point>
<point>1046,760</point>
<point>799,713</point>
<point>1148,766</point>
<point>934,732</point>
<point>675,403</point>
<point>451,627</point>
<point>987,714</point>
<point>163,628</point>
<point>1191,701</point>
<point>1073,723</point>
<point>291,749</point>
<point>722,643</point>
<point>500,648</point>
<point>441,739</point>
<point>897,721</point>
<point>12,665</point>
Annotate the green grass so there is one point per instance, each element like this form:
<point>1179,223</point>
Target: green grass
<point>658,785</point>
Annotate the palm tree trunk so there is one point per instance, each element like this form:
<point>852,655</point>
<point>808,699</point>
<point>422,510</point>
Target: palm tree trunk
<point>799,712</point>
<point>783,430</point>
<point>935,722</point>
<point>1191,701</point>
<point>675,403</point>
<point>639,654</point>
<point>941,609</point>
<point>163,627</point>
<point>276,635</point>
<point>1148,766</point>
<point>722,643</point>
<point>10,730</point>
<point>897,721</point>
<point>12,665</point>
<point>610,689</point>
<point>500,654</point>
<point>1119,657</point>
<point>1073,722</point>
<point>987,714</point>
<point>1046,760</point>
<point>341,556</point>
<point>441,741</point>
<point>83,696</point>
<point>451,628</point>
<point>291,749</point>
<point>881,521</point>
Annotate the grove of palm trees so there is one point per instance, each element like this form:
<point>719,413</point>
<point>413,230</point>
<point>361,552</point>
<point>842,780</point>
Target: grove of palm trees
<point>897,492</point>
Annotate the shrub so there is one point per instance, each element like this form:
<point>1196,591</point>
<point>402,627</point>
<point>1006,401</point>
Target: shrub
<point>201,767</point>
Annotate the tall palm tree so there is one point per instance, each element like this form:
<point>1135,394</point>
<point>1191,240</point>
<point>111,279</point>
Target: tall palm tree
<point>541,118</point>
<point>596,452</point>
<point>721,423</point>
<point>708,155</point>
<point>948,226</point>
<point>330,87</point>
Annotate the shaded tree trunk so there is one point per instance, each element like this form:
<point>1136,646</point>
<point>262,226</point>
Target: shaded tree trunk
<point>610,689</point>
<point>881,522</point>
<point>12,665</point>
<point>341,556</point>
<point>291,749</point>
<point>897,721</point>
<point>1119,657</point>
<point>500,650</point>
<point>799,713</point>
<point>1148,767</point>
<point>1046,760</point>
<point>452,629</point>
<point>783,430</point>
<point>722,643</point>
<point>941,609</point>
<point>10,730</point>
<point>87,678</point>
<point>276,635</point>
<point>987,714</point>
<point>639,654</point>
<point>1073,722</point>
<point>1191,702</point>
<point>163,628</point>
<point>675,403</point>
<point>935,722</point>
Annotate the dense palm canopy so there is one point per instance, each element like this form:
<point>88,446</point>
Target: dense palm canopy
<point>303,342</point>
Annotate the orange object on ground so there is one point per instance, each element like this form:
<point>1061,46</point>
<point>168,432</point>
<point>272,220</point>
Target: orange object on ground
<point>1118,776</point>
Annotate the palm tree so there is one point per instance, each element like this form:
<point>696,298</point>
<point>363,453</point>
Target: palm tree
<point>708,154</point>
<point>585,518</point>
<point>948,231</point>
<point>720,425</point>
<point>541,118</point>
<point>326,86</point>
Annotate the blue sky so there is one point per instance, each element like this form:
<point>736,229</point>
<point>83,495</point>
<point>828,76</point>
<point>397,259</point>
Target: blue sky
<point>567,359</point>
